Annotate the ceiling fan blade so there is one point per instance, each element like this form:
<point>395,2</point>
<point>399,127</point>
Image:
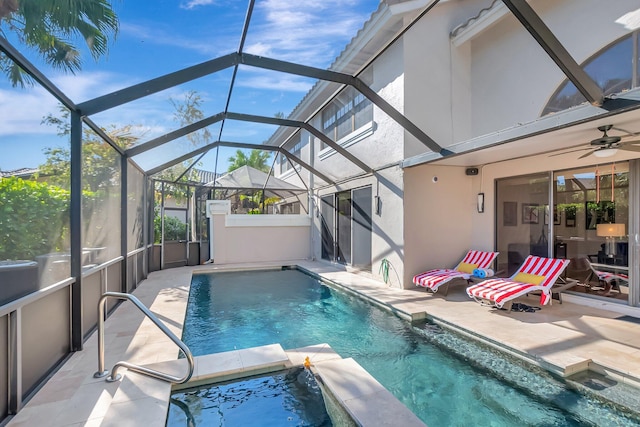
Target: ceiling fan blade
<point>571,151</point>
<point>588,154</point>
<point>630,142</point>
<point>630,148</point>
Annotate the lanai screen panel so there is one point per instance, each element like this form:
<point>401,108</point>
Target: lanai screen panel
<point>34,190</point>
<point>101,184</point>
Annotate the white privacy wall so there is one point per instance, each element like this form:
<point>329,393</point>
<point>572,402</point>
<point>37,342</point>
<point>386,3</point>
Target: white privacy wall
<point>259,238</point>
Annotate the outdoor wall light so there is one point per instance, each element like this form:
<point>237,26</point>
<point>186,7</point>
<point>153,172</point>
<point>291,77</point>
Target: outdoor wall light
<point>378,205</point>
<point>480,202</point>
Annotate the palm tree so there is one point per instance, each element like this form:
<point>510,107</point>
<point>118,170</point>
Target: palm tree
<point>48,25</point>
<point>257,159</point>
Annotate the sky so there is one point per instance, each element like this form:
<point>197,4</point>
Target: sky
<point>163,36</point>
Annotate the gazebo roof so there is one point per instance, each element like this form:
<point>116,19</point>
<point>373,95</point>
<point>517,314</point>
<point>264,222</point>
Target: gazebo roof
<point>249,178</point>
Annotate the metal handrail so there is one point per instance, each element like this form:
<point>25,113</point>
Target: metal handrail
<point>140,369</point>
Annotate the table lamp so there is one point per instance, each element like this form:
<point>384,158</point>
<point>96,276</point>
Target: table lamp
<point>610,232</point>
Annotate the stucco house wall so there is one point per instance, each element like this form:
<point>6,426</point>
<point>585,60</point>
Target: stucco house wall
<point>512,78</point>
<point>439,211</point>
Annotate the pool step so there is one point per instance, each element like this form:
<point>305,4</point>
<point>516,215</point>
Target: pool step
<point>142,400</point>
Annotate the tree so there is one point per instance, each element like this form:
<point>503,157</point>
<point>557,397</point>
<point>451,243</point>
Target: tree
<point>257,159</point>
<point>100,160</point>
<point>187,111</point>
<point>47,26</point>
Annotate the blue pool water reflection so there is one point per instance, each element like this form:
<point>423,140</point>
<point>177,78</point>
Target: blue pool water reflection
<point>436,374</point>
<point>290,398</point>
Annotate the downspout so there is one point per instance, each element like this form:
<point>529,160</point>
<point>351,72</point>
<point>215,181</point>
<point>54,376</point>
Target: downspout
<point>311,203</point>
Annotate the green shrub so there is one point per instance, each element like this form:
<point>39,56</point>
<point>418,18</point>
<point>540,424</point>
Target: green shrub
<point>174,229</point>
<point>34,218</point>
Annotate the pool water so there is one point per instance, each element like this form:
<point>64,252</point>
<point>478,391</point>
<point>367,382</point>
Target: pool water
<point>289,398</point>
<point>443,378</point>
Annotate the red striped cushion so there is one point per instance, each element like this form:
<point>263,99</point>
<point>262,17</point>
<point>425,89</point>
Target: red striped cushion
<point>502,290</point>
<point>433,279</point>
<point>606,276</point>
<point>480,258</point>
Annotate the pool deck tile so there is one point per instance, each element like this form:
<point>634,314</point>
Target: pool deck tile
<point>563,337</point>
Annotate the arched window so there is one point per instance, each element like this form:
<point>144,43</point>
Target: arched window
<point>614,69</point>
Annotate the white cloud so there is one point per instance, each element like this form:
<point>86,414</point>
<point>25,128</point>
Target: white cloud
<point>281,82</point>
<point>151,116</point>
<point>195,3</point>
<point>34,104</point>
<point>308,32</point>
<point>88,85</point>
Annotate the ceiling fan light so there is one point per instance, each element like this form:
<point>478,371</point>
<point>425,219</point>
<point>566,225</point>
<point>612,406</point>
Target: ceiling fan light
<point>605,152</point>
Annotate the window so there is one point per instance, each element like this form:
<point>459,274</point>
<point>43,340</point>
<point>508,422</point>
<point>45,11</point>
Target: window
<point>294,147</point>
<point>349,111</point>
<point>612,69</point>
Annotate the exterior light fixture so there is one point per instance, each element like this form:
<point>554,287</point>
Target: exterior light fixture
<point>480,202</point>
<point>378,205</point>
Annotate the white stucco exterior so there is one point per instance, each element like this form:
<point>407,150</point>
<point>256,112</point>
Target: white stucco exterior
<point>490,78</point>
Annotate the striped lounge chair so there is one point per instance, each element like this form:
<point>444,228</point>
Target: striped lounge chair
<point>433,279</point>
<point>608,278</point>
<point>535,274</point>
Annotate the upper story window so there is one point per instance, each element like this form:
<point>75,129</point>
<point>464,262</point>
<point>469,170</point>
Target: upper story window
<point>349,111</point>
<point>294,147</point>
<point>614,69</point>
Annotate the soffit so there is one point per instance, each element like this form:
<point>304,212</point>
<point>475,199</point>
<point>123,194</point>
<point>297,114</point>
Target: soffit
<point>554,133</point>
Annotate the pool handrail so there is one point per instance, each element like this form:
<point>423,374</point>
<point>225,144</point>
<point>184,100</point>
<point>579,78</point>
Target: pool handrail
<point>136,368</point>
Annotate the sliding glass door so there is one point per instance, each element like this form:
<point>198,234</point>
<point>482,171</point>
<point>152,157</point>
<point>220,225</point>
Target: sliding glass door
<point>588,217</point>
<point>346,227</point>
<point>522,222</point>
<point>591,225</point>
<point>327,224</point>
<point>362,206</point>
<point>343,222</point>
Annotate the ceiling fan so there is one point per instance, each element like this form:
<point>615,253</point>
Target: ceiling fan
<point>606,146</point>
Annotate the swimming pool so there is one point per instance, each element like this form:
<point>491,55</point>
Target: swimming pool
<point>435,373</point>
<point>290,397</point>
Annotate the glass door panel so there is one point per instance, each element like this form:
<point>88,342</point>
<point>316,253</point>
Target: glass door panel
<point>362,205</point>
<point>327,216</point>
<point>522,224</point>
<point>344,227</point>
<point>592,223</point>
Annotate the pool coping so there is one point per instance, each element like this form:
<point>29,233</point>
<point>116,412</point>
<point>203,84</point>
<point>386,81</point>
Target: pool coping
<point>563,369</point>
<point>366,400</point>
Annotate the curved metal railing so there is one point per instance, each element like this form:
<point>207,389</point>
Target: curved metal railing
<point>140,369</point>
